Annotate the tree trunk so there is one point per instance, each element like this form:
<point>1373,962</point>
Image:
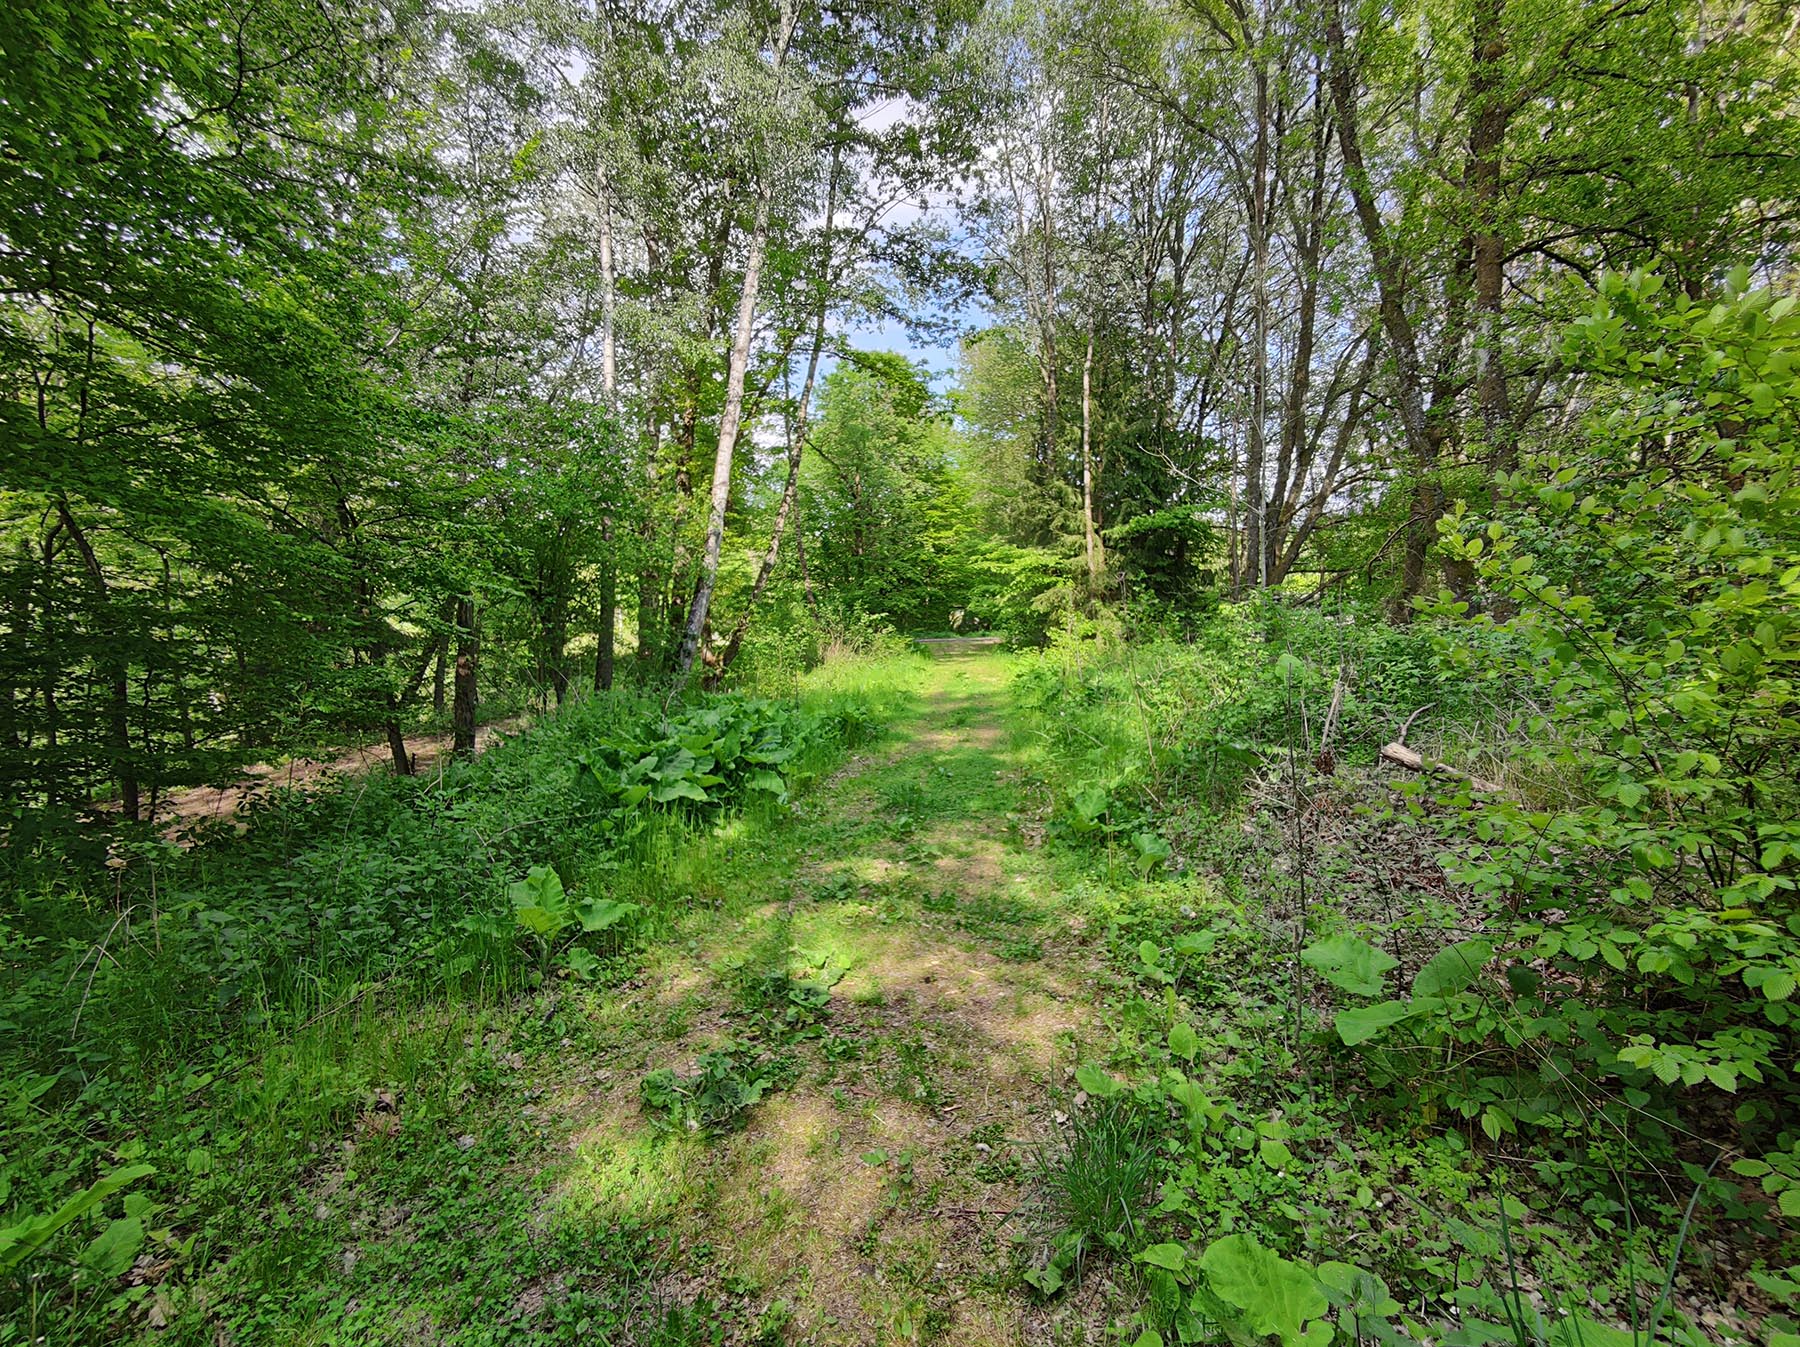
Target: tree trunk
<point>1293,461</point>
<point>649,591</point>
<point>1090,485</point>
<point>403,763</point>
<point>609,354</point>
<point>812,598</point>
<point>462,714</point>
<point>609,611</point>
<point>1255,489</point>
<point>1346,433</point>
<point>731,418</point>
<point>796,439</point>
<point>118,733</point>
<point>1489,115</point>
<point>1428,495</point>
<point>604,633</point>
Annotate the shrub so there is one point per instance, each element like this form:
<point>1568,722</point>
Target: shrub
<point>1647,583</point>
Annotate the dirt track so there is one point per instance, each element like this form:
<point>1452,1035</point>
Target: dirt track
<point>182,809</point>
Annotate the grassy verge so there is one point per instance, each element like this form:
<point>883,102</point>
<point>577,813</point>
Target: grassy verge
<point>318,1051</point>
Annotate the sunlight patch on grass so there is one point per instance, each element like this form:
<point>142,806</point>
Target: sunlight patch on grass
<point>623,1172</point>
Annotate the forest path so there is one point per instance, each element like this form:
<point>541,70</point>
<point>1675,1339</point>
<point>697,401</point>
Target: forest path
<point>181,810</point>
<point>878,1192</point>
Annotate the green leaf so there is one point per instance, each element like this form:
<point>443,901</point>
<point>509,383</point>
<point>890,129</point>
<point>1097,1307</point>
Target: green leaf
<point>1276,1295</point>
<point>1096,1082</point>
<point>1152,851</point>
<point>1090,801</point>
<point>541,886</point>
<point>540,921</point>
<point>1452,969</point>
<point>1364,1022</point>
<point>1170,1256</point>
<point>1349,963</point>
<point>600,914</point>
<point>1047,1280</point>
<point>1580,1331</point>
<point>770,782</point>
<point>1350,1287</point>
<point>680,789</point>
<point>539,902</point>
<point>1275,1154</point>
<point>113,1250</point>
<point>582,963</point>
<point>19,1242</point>
<point>1183,1041</point>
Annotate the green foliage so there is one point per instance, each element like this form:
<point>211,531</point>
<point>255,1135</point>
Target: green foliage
<point>240,1013</point>
<point>714,1096</point>
<point>1094,1180</point>
<point>120,1240</point>
<point>1351,964</point>
<point>1648,582</point>
<point>545,914</point>
<point>724,749</point>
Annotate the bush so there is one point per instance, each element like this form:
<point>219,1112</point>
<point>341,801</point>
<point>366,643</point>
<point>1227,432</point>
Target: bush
<point>1647,585</point>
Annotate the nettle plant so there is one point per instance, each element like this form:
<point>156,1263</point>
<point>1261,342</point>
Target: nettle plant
<point>1646,587</point>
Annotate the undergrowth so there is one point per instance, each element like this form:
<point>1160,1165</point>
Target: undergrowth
<point>1370,1109</point>
<point>204,1044</point>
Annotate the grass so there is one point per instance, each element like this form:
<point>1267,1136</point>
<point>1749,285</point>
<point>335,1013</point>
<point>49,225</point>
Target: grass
<point>336,1075</point>
<point>1094,1179</point>
<point>863,1011</point>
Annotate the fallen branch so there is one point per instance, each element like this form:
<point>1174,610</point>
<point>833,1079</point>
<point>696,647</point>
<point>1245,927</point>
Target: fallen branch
<point>1325,762</point>
<point>1411,759</point>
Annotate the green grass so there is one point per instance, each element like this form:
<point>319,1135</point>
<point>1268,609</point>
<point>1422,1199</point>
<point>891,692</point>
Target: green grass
<point>305,1102</point>
<point>861,1008</point>
<point>1272,1128</point>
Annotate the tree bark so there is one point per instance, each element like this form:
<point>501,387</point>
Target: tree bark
<point>1489,117</point>
<point>118,732</point>
<point>403,763</point>
<point>731,418</point>
<point>609,611</point>
<point>812,598</point>
<point>1255,489</point>
<point>604,634</point>
<point>1422,443</point>
<point>797,429</point>
<point>1293,461</point>
<point>1090,485</point>
<point>649,592</point>
<point>462,712</point>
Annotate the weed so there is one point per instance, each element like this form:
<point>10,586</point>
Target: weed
<point>714,1096</point>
